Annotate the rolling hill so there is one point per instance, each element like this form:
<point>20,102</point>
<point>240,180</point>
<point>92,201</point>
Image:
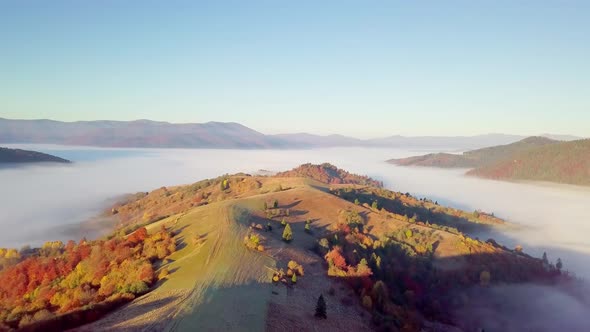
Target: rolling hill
<point>18,156</point>
<point>534,158</point>
<point>564,162</point>
<point>382,260</point>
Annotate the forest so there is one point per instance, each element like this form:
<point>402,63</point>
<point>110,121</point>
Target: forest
<point>45,283</point>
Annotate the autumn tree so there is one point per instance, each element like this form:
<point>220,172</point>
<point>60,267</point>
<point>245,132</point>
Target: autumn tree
<point>287,234</point>
<point>224,184</point>
<point>374,206</point>
<point>320,308</point>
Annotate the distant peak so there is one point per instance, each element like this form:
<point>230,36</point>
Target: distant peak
<point>537,140</point>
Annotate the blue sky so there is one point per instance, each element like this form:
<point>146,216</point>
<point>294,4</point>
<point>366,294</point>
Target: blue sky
<point>365,69</point>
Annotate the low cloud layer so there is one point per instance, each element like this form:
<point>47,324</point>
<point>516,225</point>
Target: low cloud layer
<point>518,308</point>
<point>35,199</point>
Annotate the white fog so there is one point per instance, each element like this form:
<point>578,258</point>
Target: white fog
<point>38,202</point>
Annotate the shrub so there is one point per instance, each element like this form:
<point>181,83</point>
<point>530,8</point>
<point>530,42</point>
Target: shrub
<point>163,274</point>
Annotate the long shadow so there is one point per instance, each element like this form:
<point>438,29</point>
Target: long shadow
<point>290,205</point>
<point>442,289</point>
<point>423,214</point>
<point>85,316</point>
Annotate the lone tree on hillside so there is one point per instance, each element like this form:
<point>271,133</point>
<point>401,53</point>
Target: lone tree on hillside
<point>275,204</point>
<point>224,184</point>
<point>287,234</point>
<point>320,308</point>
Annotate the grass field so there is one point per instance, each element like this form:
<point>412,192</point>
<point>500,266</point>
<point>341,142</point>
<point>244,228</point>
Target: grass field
<point>212,272</point>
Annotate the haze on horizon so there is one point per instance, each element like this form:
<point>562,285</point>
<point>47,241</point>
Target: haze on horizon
<point>458,68</point>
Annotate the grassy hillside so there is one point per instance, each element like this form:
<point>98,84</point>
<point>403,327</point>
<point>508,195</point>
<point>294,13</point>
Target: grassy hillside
<point>535,158</point>
<point>474,158</point>
<point>381,259</point>
<point>26,156</point>
<point>564,162</point>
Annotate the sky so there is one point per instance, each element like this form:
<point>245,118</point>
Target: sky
<point>365,69</point>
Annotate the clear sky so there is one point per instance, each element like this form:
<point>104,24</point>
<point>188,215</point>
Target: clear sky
<point>360,68</point>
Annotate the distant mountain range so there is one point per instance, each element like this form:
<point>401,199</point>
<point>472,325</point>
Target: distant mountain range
<point>153,134</point>
<point>534,158</point>
<point>16,156</point>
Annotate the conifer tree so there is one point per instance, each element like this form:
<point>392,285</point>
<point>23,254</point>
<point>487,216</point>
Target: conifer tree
<point>320,308</point>
<point>287,234</point>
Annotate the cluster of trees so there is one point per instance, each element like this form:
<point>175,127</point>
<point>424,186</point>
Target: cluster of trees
<point>330,174</point>
<point>422,211</point>
<point>253,242</point>
<point>59,278</point>
<point>395,276</point>
<point>294,270</point>
<point>338,267</point>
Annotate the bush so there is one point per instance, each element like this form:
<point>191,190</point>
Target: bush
<point>163,274</point>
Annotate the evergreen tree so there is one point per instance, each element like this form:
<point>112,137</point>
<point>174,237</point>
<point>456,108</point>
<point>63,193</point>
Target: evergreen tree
<point>287,234</point>
<point>320,308</point>
<point>545,260</point>
<point>275,204</point>
<point>559,264</point>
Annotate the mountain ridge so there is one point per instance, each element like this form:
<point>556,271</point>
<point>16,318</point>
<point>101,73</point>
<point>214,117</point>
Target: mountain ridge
<point>145,133</point>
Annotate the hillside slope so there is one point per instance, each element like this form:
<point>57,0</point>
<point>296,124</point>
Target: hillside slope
<point>381,259</point>
<point>564,162</point>
<point>14,156</point>
<point>534,158</point>
<point>474,158</point>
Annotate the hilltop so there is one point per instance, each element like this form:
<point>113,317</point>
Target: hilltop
<point>14,156</point>
<point>534,158</point>
<point>256,252</point>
